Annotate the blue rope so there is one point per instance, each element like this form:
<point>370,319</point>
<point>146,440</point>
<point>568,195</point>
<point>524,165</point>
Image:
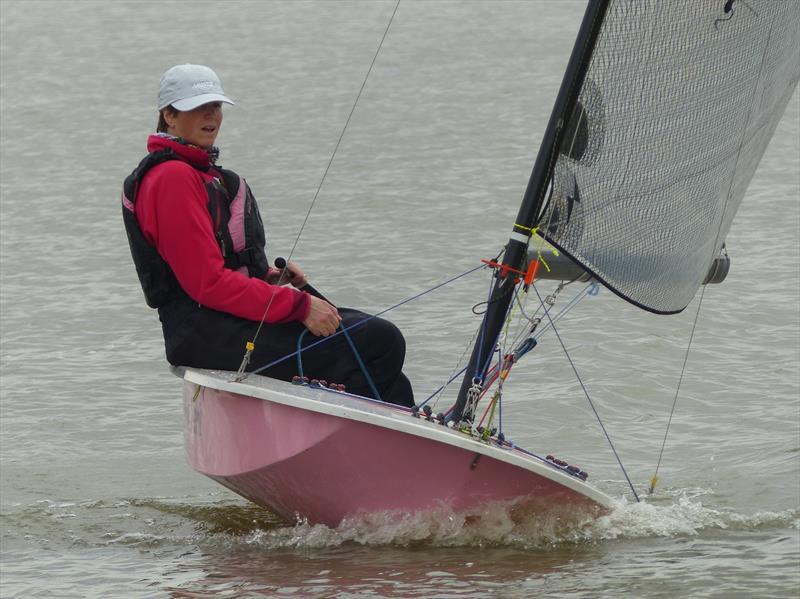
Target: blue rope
<point>299,349</point>
<point>586,392</point>
<point>363,366</point>
<point>452,378</point>
<point>360,322</point>
<point>376,393</point>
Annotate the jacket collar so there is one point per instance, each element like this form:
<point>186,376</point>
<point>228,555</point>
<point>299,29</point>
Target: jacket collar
<point>194,155</point>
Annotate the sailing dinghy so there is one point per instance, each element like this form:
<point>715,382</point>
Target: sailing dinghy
<point>663,114</point>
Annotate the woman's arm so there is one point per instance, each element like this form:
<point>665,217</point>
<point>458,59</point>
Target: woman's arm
<point>172,213</point>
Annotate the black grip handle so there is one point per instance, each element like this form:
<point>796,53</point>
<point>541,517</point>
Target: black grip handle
<point>280,263</point>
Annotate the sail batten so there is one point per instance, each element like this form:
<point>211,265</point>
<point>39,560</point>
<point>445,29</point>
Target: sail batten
<point>679,102</point>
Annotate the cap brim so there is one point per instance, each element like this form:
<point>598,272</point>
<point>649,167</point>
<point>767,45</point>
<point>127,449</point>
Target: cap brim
<point>195,101</point>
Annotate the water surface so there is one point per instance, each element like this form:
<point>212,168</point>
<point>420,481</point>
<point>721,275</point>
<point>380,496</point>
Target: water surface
<point>96,497</point>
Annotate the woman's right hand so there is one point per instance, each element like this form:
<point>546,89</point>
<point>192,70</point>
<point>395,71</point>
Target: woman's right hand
<point>323,319</point>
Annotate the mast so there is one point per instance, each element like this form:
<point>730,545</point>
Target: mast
<point>515,250</point>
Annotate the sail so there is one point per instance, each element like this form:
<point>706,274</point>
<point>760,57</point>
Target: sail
<point>679,101</point>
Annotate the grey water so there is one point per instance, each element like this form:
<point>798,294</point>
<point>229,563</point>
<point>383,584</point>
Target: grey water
<point>96,499</point>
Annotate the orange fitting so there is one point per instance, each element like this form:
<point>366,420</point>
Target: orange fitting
<point>504,268</point>
<point>533,268</point>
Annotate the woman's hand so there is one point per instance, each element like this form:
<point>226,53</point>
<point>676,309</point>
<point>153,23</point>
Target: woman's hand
<point>292,274</point>
<point>323,319</point>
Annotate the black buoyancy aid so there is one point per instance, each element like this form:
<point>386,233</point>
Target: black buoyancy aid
<point>237,227</point>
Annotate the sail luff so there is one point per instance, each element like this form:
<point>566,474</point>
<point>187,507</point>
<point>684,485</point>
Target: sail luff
<point>563,107</point>
<point>516,248</point>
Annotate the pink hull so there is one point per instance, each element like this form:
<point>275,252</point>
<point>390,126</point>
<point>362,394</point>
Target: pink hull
<point>324,467</point>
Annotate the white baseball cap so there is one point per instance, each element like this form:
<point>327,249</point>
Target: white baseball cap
<point>187,86</point>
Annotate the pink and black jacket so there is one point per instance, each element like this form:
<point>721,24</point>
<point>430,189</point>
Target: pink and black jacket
<point>195,230</point>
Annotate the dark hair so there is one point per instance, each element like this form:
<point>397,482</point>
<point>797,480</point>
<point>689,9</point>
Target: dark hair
<point>162,126</point>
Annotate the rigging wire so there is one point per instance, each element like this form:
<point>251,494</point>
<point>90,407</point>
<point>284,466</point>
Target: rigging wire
<point>251,344</point>
<point>743,137</point>
<point>453,375</point>
<point>586,393</point>
<point>342,330</point>
<point>503,355</point>
<point>654,479</point>
<point>589,289</point>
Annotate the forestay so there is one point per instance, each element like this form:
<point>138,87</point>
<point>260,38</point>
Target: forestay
<point>677,107</point>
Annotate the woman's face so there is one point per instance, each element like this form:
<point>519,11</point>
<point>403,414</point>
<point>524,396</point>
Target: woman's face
<point>199,126</point>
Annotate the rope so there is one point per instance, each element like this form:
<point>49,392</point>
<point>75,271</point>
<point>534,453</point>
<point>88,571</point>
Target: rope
<point>500,413</point>
<point>589,289</point>
<point>360,322</point>
<point>375,393</point>
<point>361,364</point>
<point>504,364</point>
<point>251,344</point>
<point>480,369</point>
<point>454,374</point>
<point>299,350</point>
<point>442,387</point>
<point>586,393</point>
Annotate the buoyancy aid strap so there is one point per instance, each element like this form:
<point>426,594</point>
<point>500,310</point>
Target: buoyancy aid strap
<point>247,257</point>
<point>231,181</point>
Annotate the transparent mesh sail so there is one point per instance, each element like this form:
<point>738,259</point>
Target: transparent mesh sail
<point>678,105</point>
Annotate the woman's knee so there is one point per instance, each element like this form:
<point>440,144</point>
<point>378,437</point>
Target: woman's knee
<point>387,340</point>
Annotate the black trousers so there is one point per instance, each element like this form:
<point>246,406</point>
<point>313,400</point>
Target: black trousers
<point>203,338</point>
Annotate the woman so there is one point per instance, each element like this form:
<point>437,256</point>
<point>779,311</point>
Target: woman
<point>199,248</point>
